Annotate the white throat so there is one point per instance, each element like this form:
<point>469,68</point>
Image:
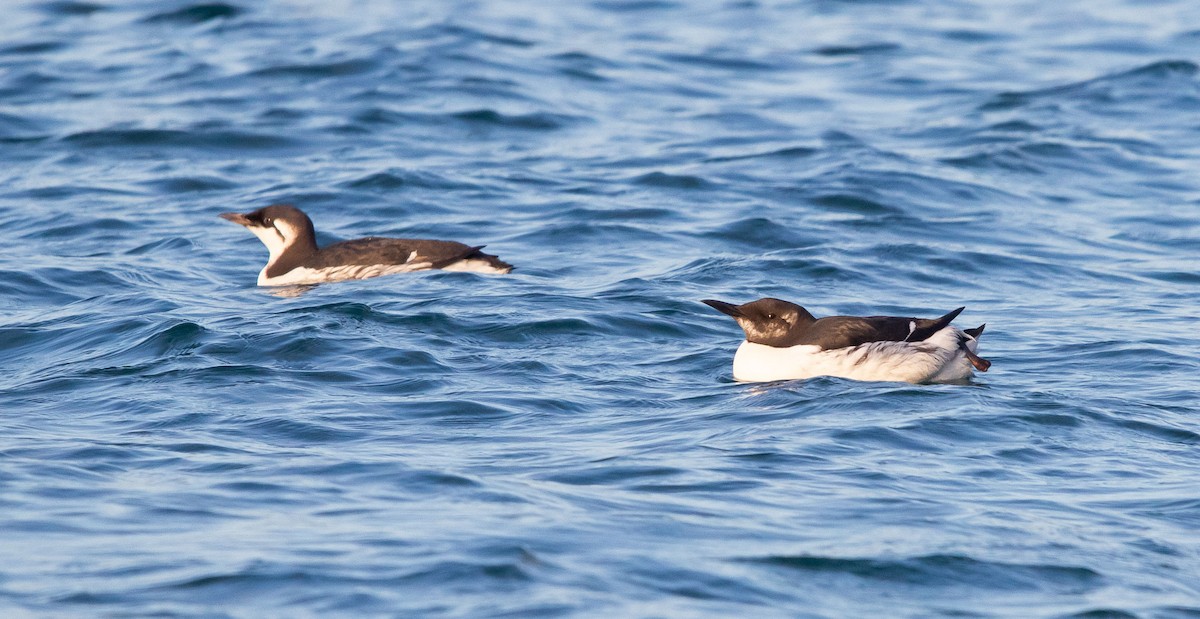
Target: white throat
<point>271,238</point>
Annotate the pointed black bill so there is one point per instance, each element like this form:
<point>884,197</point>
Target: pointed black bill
<point>728,309</point>
<point>237,218</point>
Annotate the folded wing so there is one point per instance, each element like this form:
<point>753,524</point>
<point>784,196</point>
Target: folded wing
<point>419,253</point>
<point>844,331</point>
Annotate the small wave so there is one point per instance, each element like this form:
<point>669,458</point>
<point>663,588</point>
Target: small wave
<point>189,184</point>
<point>628,6</point>
<point>444,572</point>
<point>1015,126</point>
<point>458,412</point>
<point>318,69</point>
<point>542,121</point>
<point>857,50</point>
<point>429,481</point>
<point>619,214</point>
<point>719,61</point>
<point>848,203</point>
<point>582,65</point>
<point>1183,512</point>
<point>794,152</point>
<point>1182,436</point>
<point>1183,278</point>
<point>27,85</point>
<point>166,342</point>
<point>161,245</point>
<point>174,138</point>
<point>38,47</point>
<point>490,89</point>
<point>1132,356</point>
<point>341,309</point>
<point>396,179</point>
<point>72,8</point>
<point>942,570</point>
<point>671,181</point>
<point>884,438</point>
<point>542,330</point>
<point>646,328</point>
<point>196,14</point>
<point>973,36</point>
<point>582,232</point>
<point>1052,420</point>
<point>613,475</point>
<point>1162,69</point>
<point>1042,157</point>
<point>1154,76</point>
<point>56,283</point>
<point>721,486</point>
<point>19,127</point>
<point>382,116</point>
<point>68,190</point>
<point>764,234</point>
<point>288,431</point>
<point>480,35</point>
<point>842,139</point>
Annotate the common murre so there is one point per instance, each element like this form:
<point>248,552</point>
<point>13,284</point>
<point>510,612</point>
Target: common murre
<point>296,260</point>
<point>784,342</point>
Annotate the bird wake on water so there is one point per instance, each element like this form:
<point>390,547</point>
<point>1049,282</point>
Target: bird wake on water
<point>784,342</point>
<point>296,260</point>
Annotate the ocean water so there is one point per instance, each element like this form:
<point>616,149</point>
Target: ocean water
<point>567,440</point>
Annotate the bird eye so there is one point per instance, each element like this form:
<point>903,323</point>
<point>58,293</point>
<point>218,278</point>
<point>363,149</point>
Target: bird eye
<point>770,316</point>
<point>267,221</point>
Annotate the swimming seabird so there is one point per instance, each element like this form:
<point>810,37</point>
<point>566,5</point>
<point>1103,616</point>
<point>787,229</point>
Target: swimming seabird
<point>295,258</point>
<point>784,341</point>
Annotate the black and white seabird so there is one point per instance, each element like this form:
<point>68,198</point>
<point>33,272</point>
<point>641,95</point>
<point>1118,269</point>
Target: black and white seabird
<point>784,342</point>
<point>296,260</point>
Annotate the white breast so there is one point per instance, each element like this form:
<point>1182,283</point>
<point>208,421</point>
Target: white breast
<point>937,359</point>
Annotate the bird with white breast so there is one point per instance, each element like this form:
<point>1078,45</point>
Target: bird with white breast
<point>785,342</point>
<point>295,258</point>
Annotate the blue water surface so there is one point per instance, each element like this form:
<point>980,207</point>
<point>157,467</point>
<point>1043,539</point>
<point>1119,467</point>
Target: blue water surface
<point>567,440</point>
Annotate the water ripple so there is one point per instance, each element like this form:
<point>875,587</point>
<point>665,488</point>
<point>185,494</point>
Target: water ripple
<point>196,13</point>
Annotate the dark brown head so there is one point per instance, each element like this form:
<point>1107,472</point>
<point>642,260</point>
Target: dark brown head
<point>281,227</point>
<point>771,322</point>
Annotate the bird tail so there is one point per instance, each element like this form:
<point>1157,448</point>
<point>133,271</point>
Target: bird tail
<point>473,253</point>
<point>925,327</point>
<point>493,261</point>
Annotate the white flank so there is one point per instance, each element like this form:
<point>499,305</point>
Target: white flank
<point>304,275</point>
<point>937,359</point>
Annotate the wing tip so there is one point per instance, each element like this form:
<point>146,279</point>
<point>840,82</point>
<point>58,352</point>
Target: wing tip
<point>976,332</point>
